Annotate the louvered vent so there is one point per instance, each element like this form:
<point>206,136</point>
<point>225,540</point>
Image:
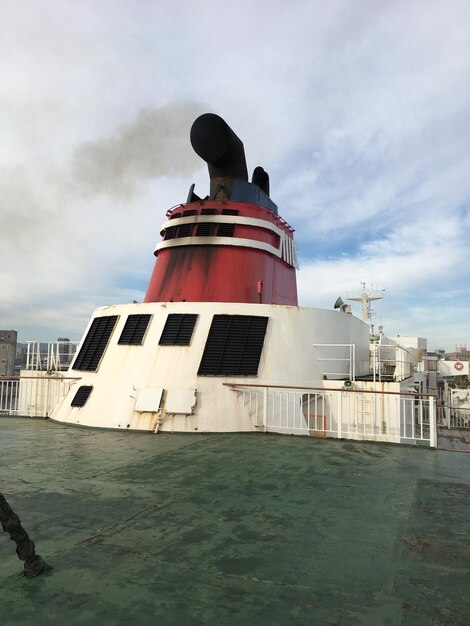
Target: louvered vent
<point>204,229</point>
<point>178,329</point>
<point>170,232</point>
<point>208,211</point>
<point>95,343</point>
<point>226,230</point>
<point>233,346</point>
<point>184,230</point>
<point>81,396</point>
<point>134,330</point>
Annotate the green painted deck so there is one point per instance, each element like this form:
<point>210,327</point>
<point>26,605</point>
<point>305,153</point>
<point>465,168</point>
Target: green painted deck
<point>233,529</point>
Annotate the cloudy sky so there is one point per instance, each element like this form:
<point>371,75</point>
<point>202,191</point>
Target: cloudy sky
<point>358,109</point>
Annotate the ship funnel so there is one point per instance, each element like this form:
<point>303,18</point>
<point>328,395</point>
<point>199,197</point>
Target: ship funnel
<point>215,142</point>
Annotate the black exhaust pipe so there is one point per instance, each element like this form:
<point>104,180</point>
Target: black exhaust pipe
<point>215,142</point>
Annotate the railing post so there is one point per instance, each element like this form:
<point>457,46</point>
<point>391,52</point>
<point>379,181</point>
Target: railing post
<point>432,423</point>
<point>353,362</point>
<point>265,409</point>
<point>340,414</point>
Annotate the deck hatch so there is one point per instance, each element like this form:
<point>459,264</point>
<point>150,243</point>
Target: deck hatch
<point>134,330</point>
<point>178,329</point>
<point>82,395</point>
<point>233,346</point>
<point>95,343</point>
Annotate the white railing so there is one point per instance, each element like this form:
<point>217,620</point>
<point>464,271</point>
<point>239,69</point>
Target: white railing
<point>9,390</point>
<point>56,358</point>
<point>385,360</point>
<point>453,417</point>
<point>459,418</point>
<point>391,360</point>
<point>33,396</point>
<point>349,414</point>
<point>350,360</point>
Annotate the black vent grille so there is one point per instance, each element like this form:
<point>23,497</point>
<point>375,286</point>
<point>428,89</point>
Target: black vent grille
<point>226,230</point>
<point>81,396</point>
<point>233,346</point>
<point>184,230</point>
<point>170,232</point>
<point>189,212</point>
<point>134,330</point>
<point>204,230</point>
<point>95,343</point>
<point>175,216</point>
<point>178,329</point>
<point>208,211</point>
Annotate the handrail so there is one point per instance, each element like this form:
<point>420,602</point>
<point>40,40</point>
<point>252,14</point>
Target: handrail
<point>344,389</point>
<point>40,377</point>
<point>351,359</point>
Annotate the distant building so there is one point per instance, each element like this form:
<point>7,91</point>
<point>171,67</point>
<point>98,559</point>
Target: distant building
<point>461,354</point>
<point>7,352</point>
<point>21,350</point>
<point>431,371</point>
<point>65,350</point>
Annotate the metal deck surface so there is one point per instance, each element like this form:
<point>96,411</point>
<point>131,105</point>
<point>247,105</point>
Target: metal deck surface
<point>232,529</point>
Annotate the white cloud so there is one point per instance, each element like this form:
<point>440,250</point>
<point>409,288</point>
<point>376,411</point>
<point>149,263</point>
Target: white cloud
<point>357,110</point>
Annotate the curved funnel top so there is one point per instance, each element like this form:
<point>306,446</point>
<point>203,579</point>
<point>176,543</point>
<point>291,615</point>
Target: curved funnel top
<point>215,142</point>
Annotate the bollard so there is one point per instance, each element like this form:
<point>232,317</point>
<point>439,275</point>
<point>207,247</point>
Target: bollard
<point>34,564</point>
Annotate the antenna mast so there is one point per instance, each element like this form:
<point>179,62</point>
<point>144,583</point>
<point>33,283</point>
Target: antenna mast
<point>365,298</point>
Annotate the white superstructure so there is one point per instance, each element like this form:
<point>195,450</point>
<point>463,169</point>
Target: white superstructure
<point>140,386</point>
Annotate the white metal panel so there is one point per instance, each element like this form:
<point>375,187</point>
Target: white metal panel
<point>148,399</point>
<point>180,401</point>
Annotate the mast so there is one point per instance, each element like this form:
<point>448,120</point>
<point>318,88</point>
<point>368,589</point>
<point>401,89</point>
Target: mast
<point>365,298</point>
